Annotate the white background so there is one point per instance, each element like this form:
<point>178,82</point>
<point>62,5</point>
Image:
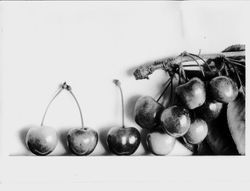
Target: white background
<point>88,44</point>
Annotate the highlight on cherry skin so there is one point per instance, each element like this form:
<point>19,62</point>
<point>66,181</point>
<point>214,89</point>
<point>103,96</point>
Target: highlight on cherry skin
<point>123,140</point>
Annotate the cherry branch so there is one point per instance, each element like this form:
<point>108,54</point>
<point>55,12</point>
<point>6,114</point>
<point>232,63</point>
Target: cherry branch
<point>171,63</point>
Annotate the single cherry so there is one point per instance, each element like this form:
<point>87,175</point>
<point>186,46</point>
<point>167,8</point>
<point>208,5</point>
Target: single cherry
<point>42,140</point>
<point>123,140</point>
<point>147,112</point>
<point>192,94</point>
<point>160,143</point>
<point>81,141</point>
<point>197,132</point>
<point>175,121</point>
<point>223,89</point>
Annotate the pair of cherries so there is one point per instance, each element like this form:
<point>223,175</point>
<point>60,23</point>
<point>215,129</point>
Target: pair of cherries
<point>42,140</point>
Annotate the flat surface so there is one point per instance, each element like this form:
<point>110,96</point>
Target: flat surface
<point>88,44</point>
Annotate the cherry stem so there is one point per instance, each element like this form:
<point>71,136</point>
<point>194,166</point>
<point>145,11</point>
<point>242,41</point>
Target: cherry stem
<point>227,69</point>
<point>235,62</point>
<point>179,71</point>
<point>77,103</point>
<point>202,60</point>
<point>165,89</point>
<point>184,74</point>
<point>182,71</point>
<point>53,98</point>
<point>189,55</point>
<point>171,93</point>
<point>68,88</point>
<point>190,65</point>
<point>237,74</point>
<point>118,84</point>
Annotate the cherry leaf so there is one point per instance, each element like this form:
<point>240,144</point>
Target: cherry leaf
<point>235,48</point>
<point>236,121</point>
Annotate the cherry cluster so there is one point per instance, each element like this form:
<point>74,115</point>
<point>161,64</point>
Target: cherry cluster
<point>194,102</point>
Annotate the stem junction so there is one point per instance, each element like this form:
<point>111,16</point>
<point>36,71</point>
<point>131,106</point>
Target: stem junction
<point>63,86</point>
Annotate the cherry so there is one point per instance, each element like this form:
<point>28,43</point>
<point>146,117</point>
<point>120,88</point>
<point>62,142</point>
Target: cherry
<point>147,111</point>
<point>123,140</point>
<point>223,89</point>
<point>175,121</point>
<point>42,140</point>
<point>160,143</point>
<point>192,94</point>
<point>81,141</point>
<point>197,132</point>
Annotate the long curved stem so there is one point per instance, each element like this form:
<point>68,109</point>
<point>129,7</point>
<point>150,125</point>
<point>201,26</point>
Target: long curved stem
<point>235,62</point>
<point>190,65</point>
<point>202,60</point>
<point>68,88</point>
<point>118,84</point>
<point>201,69</point>
<point>227,69</point>
<point>184,74</point>
<point>237,74</point>
<point>165,89</point>
<point>78,105</point>
<point>171,93</point>
<point>180,70</point>
<point>53,98</point>
<point>180,76</point>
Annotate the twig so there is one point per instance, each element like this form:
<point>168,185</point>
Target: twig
<point>169,63</point>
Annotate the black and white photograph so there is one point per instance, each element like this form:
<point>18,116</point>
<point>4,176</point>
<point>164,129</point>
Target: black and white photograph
<point>124,93</point>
